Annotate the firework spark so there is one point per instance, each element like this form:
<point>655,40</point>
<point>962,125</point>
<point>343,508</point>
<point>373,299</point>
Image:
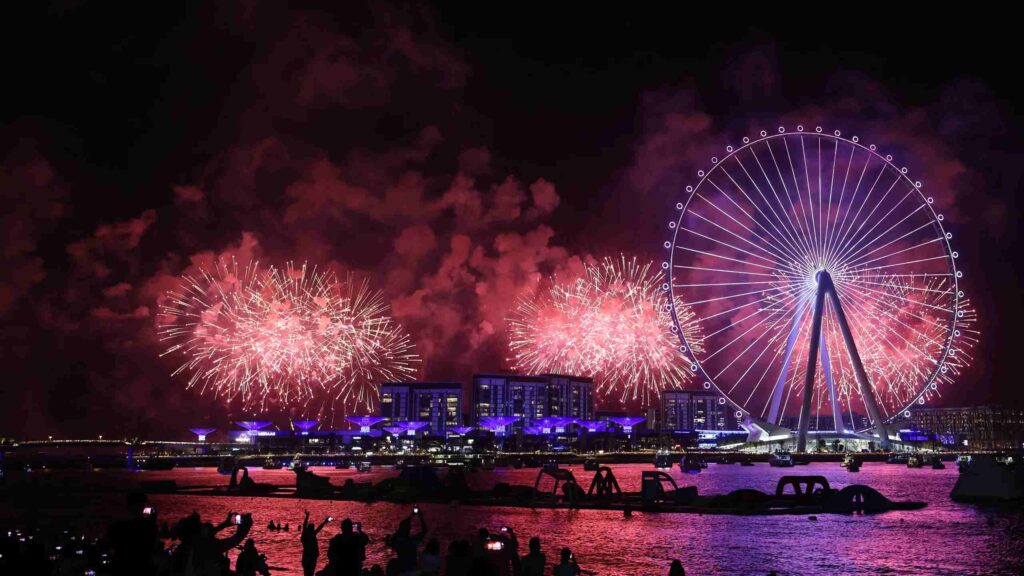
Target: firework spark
<point>291,337</point>
<point>611,323</point>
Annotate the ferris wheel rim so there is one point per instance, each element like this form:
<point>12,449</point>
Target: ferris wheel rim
<point>935,220</point>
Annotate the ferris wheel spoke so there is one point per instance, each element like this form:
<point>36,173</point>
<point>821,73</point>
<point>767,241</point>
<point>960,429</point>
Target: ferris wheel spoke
<point>727,245</point>
<point>890,285</point>
<point>860,298</point>
<point>781,256</point>
<point>774,319</point>
<point>879,237</point>
<point>885,257</point>
<point>800,200</point>
<point>907,263</point>
<point>751,303</point>
<point>889,297</point>
<point>834,221</point>
<point>713,255</point>
<point>841,228</point>
<point>701,268</point>
<point>844,236</point>
<point>775,258</point>
<point>790,230</point>
<point>810,198</point>
<point>734,323</point>
<point>749,346</point>
<point>853,238</point>
<point>779,238</point>
<point>775,243</point>
<point>792,205</point>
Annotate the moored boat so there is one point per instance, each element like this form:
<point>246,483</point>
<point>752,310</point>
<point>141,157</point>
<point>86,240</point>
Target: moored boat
<point>781,460</point>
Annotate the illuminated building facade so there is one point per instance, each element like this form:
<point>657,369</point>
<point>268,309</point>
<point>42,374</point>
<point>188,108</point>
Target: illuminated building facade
<point>439,404</point>
<point>695,410</point>
<point>532,399</point>
<point>976,427</point>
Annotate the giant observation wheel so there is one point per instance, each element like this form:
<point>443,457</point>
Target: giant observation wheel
<point>823,279</point>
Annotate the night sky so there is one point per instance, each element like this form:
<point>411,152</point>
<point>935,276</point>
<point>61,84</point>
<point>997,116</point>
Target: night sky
<point>455,155</point>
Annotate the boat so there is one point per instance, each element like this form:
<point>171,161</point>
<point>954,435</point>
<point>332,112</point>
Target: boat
<point>487,463</point>
<point>746,462</point>
<point>915,461</point>
<point>550,465</point>
<point>156,464</point>
<point>663,460</point>
<point>963,462</point>
<point>897,459</point>
<point>364,466</point>
<point>297,464</point>
<point>987,479</point>
<point>591,465</point>
<point>937,464</point>
<point>690,464</point>
<point>851,464</point>
<point>343,465</point>
<point>271,464</point>
<point>781,460</point>
<point>227,467</point>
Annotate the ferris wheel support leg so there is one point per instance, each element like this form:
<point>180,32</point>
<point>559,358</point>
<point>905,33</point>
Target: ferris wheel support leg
<point>780,383</point>
<point>866,390</point>
<point>826,368</point>
<point>812,362</point>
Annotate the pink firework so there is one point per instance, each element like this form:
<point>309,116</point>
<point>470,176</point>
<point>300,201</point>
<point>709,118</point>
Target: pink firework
<point>291,337</point>
<point>611,323</point>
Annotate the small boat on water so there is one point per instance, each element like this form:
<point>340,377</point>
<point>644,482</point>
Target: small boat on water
<point>746,462</point>
<point>227,467</point>
<point>781,460</point>
<point>550,465</point>
<point>963,462</point>
<point>487,463</point>
<point>691,464</point>
<point>663,460</point>
<point>271,464</point>
<point>897,459</point>
<point>937,464</point>
<point>915,461</point>
<point>851,463</point>
<point>364,466</point>
<point>343,465</point>
<point>987,478</point>
<point>156,464</point>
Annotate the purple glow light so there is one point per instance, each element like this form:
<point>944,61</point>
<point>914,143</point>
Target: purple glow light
<point>254,425</point>
<point>532,430</point>
<point>394,430</point>
<point>202,431</point>
<point>497,424</point>
<point>305,425</point>
<point>627,422</point>
<point>592,425</point>
<point>365,421</point>
<point>460,430</point>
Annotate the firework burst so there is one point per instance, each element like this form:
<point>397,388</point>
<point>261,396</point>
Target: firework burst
<point>611,323</point>
<point>290,337</point>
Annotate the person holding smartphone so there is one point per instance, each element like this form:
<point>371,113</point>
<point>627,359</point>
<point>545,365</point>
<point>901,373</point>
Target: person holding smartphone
<point>310,545</point>
<point>568,565</point>
<point>406,544</point>
<point>347,551</point>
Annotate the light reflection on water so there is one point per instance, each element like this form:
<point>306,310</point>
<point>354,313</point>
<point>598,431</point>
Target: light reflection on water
<point>944,538</point>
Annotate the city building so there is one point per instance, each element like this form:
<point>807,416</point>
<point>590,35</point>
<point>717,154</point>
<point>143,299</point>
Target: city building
<point>530,399</point>
<point>439,404</point>
<point>695,410</point>
<point>976,427</point>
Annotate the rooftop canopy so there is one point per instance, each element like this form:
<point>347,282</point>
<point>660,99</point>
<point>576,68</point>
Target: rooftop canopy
<point>202,431</point>
<point>305,425</point>
<point>494,423</point>
<point>460,430</point>
<point>627,420</point>
<point>365,421</point>
<point>253,425</point>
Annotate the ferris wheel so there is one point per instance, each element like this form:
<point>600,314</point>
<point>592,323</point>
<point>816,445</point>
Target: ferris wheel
<point>823,279</point>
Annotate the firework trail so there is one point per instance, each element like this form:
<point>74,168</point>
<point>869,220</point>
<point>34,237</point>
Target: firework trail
<point>292,338</point>
<point>610,323</point>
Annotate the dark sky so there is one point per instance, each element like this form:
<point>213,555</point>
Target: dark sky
<point>455,155</point>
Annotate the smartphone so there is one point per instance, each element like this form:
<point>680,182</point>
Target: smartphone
<point>415,509</point>
<point>358,526</point>
<point>237,519</point>
<point>495,545</point>
<point>148,511</point>
<point>504,528</point>
<point>330,518</point>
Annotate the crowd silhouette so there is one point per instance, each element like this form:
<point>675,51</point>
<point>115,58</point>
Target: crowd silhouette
<point>139,544</point>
